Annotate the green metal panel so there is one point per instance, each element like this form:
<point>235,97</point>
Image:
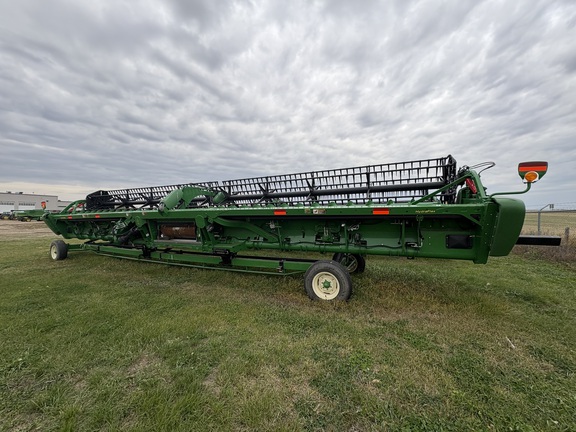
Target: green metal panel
<point>509,223</point>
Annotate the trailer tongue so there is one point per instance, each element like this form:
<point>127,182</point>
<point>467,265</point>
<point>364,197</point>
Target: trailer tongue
<point>423,208</point>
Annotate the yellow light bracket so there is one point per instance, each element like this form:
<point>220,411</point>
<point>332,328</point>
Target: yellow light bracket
<point>531,172</point>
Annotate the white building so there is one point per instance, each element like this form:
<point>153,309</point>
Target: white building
<point>21,201</point>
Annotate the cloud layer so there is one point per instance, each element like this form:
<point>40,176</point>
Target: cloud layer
<point>119,94</point>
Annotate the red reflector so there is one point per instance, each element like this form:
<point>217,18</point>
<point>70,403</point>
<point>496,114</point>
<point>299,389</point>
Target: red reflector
<point>381,211</point>
<point>279,212</point>
<point>471,185</point>
<point>69,217</point>
<point>97,216</point>
<point>526,168</point>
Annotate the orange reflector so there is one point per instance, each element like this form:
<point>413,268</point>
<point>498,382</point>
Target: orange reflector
<point>381,211</point>
<point>531,176</point>
<point>279,212</point>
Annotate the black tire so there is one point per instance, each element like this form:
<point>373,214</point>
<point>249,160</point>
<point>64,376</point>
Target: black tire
<point>58,250</point>
<point>328,280</point>
<point>354,263</point>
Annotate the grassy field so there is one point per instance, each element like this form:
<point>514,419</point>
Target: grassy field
<point>551,223</point>
<point>95,343</point>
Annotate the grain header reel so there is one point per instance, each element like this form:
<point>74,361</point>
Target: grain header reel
<point>423,208</point>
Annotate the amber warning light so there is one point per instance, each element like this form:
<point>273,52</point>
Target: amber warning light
<point>532,171</point>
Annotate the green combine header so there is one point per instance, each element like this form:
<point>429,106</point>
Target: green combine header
<point>424,208</point>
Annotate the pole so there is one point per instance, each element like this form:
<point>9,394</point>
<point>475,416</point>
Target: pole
<point>540,213</point>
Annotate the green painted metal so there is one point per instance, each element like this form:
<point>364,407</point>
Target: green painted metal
<point>27,215</point>
<point>396,210</point>
<point>508,225</point>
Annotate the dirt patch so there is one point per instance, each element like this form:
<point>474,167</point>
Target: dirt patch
<point>13,230</point>
<point>143,363</point>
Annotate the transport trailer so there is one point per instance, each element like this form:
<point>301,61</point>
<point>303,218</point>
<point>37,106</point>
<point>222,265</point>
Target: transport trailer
<point>424,208</point>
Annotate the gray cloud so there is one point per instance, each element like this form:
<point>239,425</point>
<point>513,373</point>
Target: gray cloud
<point>108,95</point>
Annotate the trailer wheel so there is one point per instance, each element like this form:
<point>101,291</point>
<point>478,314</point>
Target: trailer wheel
<point>354,263</point>
<point>58,250</point>
<point>328,280</point>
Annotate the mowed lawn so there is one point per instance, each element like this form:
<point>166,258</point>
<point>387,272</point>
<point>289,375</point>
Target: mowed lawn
<point>96,343</point>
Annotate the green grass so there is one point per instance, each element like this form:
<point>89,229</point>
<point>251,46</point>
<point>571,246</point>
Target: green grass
<point>96,343</point>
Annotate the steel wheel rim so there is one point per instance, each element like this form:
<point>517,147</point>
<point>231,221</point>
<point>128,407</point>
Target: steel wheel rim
<point>53,252</point>
<point>326,286</point>
<point>350,262</point>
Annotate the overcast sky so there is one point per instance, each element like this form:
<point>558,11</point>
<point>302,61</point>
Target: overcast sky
<point>113,94</point>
